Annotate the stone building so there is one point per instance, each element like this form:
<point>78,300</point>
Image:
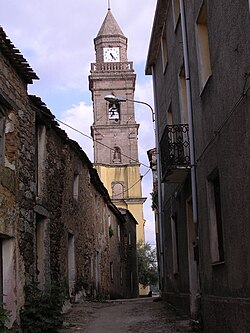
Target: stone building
<point>54,210</point>
<point>123,267</point>
<point>17,179</point>
<point>199,59</point>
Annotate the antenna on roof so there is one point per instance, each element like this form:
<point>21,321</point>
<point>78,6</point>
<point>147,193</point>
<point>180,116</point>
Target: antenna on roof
<point>108,4</point>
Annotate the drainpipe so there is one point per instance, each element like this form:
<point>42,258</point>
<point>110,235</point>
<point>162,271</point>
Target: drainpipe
<point>159,185</point>
<point>190,115</point>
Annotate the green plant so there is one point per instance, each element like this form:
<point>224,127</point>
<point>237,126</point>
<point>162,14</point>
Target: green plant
<point>147,264</point>
<point>154,196</point>
<point>111,231</point>
<point>42,309</point>
<point>4,317</point>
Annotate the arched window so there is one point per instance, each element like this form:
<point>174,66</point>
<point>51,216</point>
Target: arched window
<point>114,111</point>
<point>117,155</point>
<point>117,191</point>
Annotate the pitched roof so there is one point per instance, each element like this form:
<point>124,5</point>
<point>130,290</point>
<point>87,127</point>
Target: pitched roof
<point>109,26</point>
<point>16,59</point>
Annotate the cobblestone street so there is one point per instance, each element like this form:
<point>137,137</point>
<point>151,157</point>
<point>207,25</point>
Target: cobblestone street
<point>142,315</point>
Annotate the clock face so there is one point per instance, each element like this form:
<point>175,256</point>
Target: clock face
<point>111,54</point>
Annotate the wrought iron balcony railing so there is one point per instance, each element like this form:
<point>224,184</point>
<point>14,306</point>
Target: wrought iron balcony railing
<point>175,156</point>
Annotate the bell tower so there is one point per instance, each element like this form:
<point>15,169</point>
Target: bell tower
<point>114,130</point>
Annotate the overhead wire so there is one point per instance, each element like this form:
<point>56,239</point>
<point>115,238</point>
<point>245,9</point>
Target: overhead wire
<point>112,149</point>
<point>89,137</point>
<point>118,194</point>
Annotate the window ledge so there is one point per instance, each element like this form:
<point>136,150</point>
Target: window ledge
<point>218,263</point>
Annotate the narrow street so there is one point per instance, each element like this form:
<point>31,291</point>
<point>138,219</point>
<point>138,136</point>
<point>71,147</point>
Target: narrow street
<point>141,315</point>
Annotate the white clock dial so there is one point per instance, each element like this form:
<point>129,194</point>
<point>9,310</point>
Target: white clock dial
<point>111,54</point>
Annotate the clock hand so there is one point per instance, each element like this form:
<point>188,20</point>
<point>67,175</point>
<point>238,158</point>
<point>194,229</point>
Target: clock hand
<point>112,56</point>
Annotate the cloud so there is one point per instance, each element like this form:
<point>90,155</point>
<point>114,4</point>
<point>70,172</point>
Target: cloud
<point>79,119</point>
<point>56,37</point>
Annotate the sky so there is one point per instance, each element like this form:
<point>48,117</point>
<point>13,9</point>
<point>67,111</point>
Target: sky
<point>56,38</point>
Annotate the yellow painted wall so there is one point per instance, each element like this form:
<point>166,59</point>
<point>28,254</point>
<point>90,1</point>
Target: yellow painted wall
<point>133,201</point>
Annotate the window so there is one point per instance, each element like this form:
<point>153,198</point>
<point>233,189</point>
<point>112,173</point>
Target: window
<point>117,191</point>
<point>114,111</point>
<point>215,217</point>
<point>76,186</point>
<point>174,245</point>
<point>203,47</point>
<point>176,11</point>
<point>164,53</point>
<point>7,269</point>
<point>116,155</point>
<point>40,159</point>
<point>2,137</point>
<point>183,96</point>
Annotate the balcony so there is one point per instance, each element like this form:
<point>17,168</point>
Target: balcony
<point>175,156</point>
<point>112,67</point>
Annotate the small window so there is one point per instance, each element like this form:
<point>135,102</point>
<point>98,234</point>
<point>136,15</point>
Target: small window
<point>164,51</point>
<point>76,186</point>
<point>176,11</point>
<point>215,218</point>
<point>203,51</point>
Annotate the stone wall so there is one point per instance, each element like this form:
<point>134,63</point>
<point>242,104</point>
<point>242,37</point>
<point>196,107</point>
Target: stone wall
<point>17,190</point>
<point>54,210</point>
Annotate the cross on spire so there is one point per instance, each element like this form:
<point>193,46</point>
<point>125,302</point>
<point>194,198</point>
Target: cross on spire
<point>108,4</point>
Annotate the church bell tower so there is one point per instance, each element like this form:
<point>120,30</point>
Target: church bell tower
<point>114,130</point>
